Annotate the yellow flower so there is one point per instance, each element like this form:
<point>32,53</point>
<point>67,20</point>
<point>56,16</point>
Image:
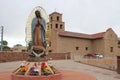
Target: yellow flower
<point>24,68</point>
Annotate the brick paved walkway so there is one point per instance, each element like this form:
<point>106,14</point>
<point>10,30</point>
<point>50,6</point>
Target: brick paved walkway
<point>70,67</point>
<point>99,73</point>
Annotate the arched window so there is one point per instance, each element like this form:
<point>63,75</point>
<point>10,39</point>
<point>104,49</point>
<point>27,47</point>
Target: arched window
<point>48,27</point>
<point>111,49</point>
<point>86,48</point>
<point>61,26</point>
<point>56,25</point>
<point>51,26</point>
<point>51,18</point>
<point>77,48</point>
<point>57,18</point>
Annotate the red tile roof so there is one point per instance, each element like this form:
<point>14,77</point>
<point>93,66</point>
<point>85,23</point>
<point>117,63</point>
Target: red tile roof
<point>98,35</point>
<point>55,13</point>
<point>81,35</point>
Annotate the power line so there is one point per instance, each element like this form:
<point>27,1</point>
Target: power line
<point>1,29</point>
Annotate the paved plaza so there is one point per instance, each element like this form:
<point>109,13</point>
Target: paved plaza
<point>70,65</point>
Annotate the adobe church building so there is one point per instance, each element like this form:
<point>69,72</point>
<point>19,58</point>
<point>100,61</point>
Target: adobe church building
<point>79,44</point>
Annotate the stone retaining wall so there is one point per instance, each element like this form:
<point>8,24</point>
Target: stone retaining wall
<point>107,63</point>
<point>18,56</point>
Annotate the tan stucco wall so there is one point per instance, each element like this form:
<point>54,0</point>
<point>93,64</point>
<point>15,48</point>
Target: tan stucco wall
<point>111,40</point>
<point>19,48</point>
<point>53,41</point>
<point>102,46</point>
<point>66,44</point>
<point>98,46</point>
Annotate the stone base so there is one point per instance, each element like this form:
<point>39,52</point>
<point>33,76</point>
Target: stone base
<point>57,76</point>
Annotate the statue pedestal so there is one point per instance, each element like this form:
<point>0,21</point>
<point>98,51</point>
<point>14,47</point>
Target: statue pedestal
<point>49,77</point>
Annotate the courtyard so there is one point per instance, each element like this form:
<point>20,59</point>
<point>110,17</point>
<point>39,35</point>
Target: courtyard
<point>67,68</point>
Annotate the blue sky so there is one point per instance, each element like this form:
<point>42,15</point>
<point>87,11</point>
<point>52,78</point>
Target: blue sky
<point>84,16</point>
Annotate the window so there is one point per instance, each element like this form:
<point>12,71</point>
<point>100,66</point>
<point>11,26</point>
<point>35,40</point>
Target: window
<point>57,18</point>
<point>111,49</point>
<point>61,26</point>
<point>77,48</point>
<point>86,48</point>
<point>50,50</point>
<point>23,50</point>
<point>118,42</point>
<point>48,27</point>
<point>111,35</point>
<point>51,26</point>
<point>51,18</point>
<point>56,25</point>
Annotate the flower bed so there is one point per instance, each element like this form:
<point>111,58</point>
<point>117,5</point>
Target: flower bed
<point>36,71</point>
<point>44,68</point>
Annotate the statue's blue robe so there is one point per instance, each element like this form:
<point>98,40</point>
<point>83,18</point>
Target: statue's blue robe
<point>42,31</point>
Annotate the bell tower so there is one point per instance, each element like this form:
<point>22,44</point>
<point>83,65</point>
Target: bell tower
<point>55,22</point>
<point>55,26</point>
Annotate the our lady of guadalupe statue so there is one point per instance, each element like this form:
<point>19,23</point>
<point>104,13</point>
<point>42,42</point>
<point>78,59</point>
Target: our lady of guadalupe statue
<point>38,35</point>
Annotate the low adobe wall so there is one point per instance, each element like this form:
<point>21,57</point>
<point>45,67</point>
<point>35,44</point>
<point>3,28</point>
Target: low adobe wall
<point>103,63</point>
<point>18,56</point>
<point>59,56</point>
<point>12,56</point>
<point>108,62</point>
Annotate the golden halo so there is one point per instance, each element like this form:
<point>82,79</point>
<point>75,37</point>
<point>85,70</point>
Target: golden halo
<point>29,21</point>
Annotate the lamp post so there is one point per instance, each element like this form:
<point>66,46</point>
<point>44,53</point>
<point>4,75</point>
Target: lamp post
<point>1,38</point>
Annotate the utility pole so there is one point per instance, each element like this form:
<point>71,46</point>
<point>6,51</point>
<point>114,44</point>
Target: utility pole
<point>1,48</point>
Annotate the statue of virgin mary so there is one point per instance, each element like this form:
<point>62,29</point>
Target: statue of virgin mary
<point>38,34</point>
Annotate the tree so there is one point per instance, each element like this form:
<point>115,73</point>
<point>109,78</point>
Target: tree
<point>5,46</point>
<point>18,45</point>
<point>5,43</point>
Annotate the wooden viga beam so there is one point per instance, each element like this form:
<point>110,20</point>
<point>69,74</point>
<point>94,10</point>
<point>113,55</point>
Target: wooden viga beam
<point>49,68</point>
<point>17,70</point>
<point>29,67</point>
<point>39,69</point>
